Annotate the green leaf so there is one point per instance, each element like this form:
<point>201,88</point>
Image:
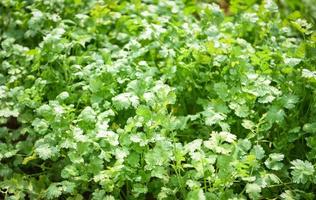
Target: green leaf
<point>292,62</point>
<point>302,171</point>
<point>53,191</point>
<point>221,90</point>
<point>139,189</point>
<point>67,187</point>
<point>45,151</point>
<point>62,96</point>
<point>308,74</point>
<point>40,126</point>
<point>6,112</point>
<point>275,114</point>
<point>253,190</point>
<point>69,171</point>
<point>258,151</point>
<point>274,161</point>
<point>287,195</point>
<point>216,143</point>
<point>45,110</point>
<point>244,144</point>
<point>303,26</point>
<point>99,194</point>
<point>212,117</point>
<point>125,100</point>
<point>289,101</point>
<point>247,124</point>
<point>196,194</point>
<point>87,115</point>
<point>310,128</point>
<point>95,84</point>
<point>240,110</point>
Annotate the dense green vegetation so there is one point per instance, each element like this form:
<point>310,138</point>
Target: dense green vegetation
<point>157,99</point>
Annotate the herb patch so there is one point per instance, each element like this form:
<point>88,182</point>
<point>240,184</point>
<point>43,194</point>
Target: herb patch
<point>157,99</point>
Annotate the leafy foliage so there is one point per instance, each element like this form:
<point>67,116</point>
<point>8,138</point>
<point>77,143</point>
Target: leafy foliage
<point>155,99</point>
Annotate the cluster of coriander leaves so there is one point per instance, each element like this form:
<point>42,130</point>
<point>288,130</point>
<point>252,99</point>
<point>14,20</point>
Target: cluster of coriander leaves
<point>156,99</point>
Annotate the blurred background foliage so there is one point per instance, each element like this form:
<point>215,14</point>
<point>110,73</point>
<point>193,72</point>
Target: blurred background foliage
<point>287,8</point>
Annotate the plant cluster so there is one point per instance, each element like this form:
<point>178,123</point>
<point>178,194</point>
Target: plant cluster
<point>156,99</point>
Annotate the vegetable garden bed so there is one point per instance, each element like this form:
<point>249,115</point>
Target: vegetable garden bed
<point>157,99</point>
